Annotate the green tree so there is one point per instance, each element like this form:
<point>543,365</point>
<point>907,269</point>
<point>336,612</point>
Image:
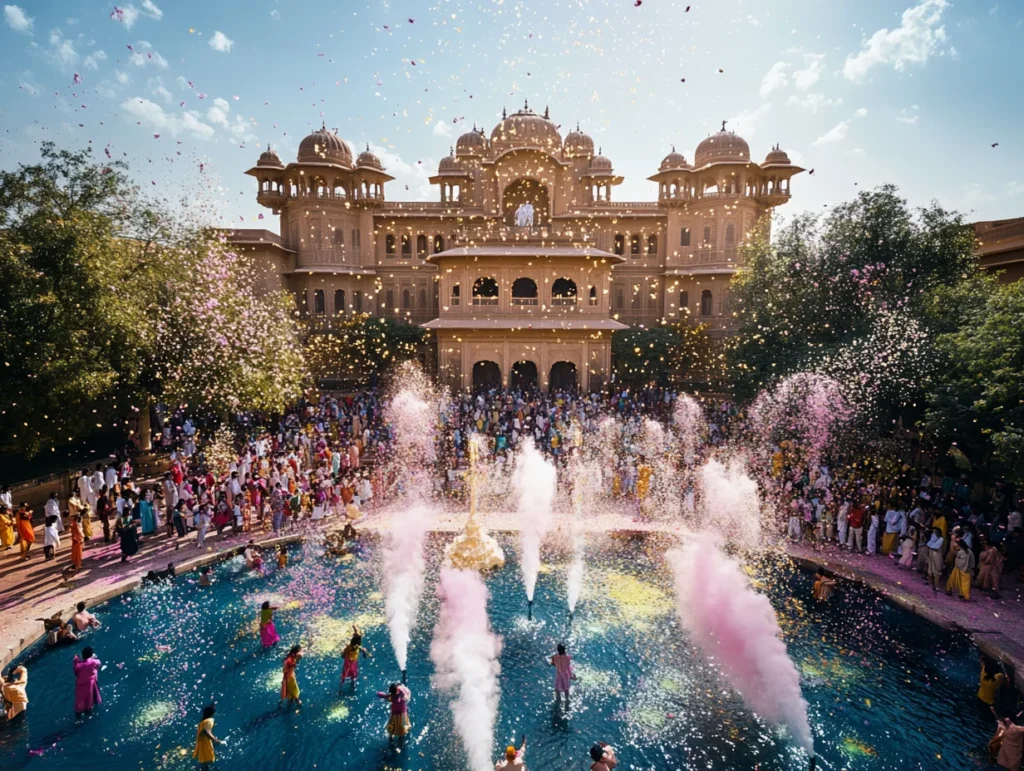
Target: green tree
<point>978,402</point>
<point>850,295</point>
<point>97,286</point>
<point>662,354</point>
<point>359,347</point>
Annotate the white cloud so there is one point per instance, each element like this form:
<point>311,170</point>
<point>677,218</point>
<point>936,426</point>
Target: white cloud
<point>858,151</point>
<point>156,88</point>
<point>17,19</point>
<point>862,112</point>
<point>106,90</point>
<point>61,53</point>
<point>218,112</point>
<point>122,77</point>
<point>442,129</point>
<point>836,134</point>
<point>151,9</point>
<point>813,101</point>
<point>414,177</point>
<point>746,122</point>
<point>775,78</point>
<point>811,74</point>
<point>237,127</point>
<point>275,14</point>
<point>918,37</point>
<point>909,115</point>
<point>27,83</point>
<point>127,15</point>
<point>143,55</point>
<point>221,42</point>
<point>152,115</point>
<point>1015,188</point>
<point>92,61</point>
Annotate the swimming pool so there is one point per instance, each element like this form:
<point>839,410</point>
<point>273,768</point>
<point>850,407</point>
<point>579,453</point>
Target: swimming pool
<point>886,689</point>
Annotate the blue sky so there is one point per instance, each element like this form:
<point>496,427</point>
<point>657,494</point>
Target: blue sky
<point>912,92</point>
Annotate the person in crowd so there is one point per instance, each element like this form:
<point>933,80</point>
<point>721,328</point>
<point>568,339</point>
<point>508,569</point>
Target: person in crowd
<point>562,662</point>
<point>350,657</point>
<point>205,739</point>
<point>7,528</point>
<point>603,757</point>
<point>268,632</point>
<point>26,532</point>
<point>963,571</point>
<point>289,684</point>
<point>398,697</point>
<point>87,687</point>
<point>83,619</point>
<point>15,692</point>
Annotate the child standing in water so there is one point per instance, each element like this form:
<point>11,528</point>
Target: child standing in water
<point>398,724</point>
<point>562,662</point>
<point>289,685</point>
<point>351,657</point>
<point>282,558</point>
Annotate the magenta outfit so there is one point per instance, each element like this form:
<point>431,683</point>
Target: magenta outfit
<point>350,669</point>
<point>87,687</point>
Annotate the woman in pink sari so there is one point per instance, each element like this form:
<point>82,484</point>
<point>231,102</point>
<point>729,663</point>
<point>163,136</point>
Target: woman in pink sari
<point>268,632</point>
<point>87,687</point>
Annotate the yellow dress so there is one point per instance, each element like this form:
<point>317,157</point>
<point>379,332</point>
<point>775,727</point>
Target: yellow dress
<point>643,483</point>
<point>988,686</point>
<point>204,746</point>
<point>6,530</point>
<point>16,693</point>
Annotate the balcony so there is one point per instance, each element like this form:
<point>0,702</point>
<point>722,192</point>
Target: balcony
<point>524,300</point>
<point>563,301</point>
<point>725,259</point>
<point>485,301</point>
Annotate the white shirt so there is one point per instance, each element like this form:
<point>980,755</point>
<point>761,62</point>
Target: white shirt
<point>97,482</point>
<point>111,478</point>
<point>84,487</point>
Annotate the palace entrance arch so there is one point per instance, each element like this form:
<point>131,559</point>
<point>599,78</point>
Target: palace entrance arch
<point>519,192</point>
<point>524,376</point>
<point>486,374</point>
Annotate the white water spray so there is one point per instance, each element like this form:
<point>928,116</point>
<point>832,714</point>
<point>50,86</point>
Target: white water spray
<point>737,628</point>
<point>403,576</point>
<point>465,654</point>
<point>534,480</point>
<point>731,504</point>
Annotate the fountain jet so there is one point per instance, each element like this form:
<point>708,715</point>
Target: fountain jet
<point>535,480</point>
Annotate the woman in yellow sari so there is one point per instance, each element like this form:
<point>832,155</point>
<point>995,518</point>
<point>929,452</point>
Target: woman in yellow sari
<point>289,685</point>
<point>6,529</point>
<point>960,578</point>
<point>205,739</point>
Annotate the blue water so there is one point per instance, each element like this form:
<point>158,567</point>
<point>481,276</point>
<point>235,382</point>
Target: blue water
<point>886,689</point>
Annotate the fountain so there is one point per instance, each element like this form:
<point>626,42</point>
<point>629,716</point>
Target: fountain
<point>474,548</point>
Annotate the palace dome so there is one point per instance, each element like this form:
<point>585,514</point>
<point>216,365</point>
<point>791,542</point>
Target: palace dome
<point>600,165</point>
<point>324,146</point>
<point>673,161</point>
<point>578,145</point>
<point>269,158</point>
<point>526,129</point>
<point>449,164</point>
<point>367,159</point>
<point>723,147</point>
<point>776,157</point>
<point>471,143</point>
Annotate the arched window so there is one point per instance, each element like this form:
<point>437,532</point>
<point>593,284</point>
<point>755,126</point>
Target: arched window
<point>652,245</point>
<point>707,235</point>
<point>406,245</point>
<point>357,238</point>
<point>620,299</point>
<point>318,302</point>
<point>620,244</point>
<point>456,295</point>
<point>634,244</point>
<point>357,301</point>
<point>406,300</point>
<point>706,306</point>
<point>524,291</point>
<point>485,291</point>
<point>684,304</point>
<point>389,245</point>
<point>730,234</point>
<point>684,237</point>
<point>563,292</point>
<point>438,243</point>
<point>421,245</point>
<point>389,301</point>
<point>339,302</point>
<point>339,237</point>
<point>592,300</point>
<point>421,299</point>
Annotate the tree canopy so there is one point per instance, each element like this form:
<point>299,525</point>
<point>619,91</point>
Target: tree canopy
<point>360,347</point>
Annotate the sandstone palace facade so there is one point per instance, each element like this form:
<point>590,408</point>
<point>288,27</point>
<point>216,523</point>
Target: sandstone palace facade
<point>526,262</point>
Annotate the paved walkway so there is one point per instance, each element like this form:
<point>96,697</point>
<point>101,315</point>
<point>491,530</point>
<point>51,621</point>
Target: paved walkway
<point>34,589</point>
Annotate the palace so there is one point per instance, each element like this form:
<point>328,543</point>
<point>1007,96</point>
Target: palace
<point>525,264</point>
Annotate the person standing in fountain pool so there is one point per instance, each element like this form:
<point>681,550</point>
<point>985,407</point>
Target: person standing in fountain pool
<point>289,685</point>
<point>515,760</point>
<point>87,687</point>
<point>603,756</point>
<point>351,657</point>
<point>205,739</point>
<point>268,632</point>
<point>398,724</point>
<point>15,692</point>
<point>562,662</point>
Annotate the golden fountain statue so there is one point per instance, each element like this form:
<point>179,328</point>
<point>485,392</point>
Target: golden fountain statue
<point>473,548</point>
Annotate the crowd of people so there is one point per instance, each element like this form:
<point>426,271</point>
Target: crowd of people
<point>956,532</point>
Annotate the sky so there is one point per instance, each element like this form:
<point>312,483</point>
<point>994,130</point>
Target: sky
<point>923,94</point>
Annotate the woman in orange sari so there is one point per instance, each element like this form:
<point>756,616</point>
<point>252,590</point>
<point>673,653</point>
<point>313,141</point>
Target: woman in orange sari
<point>25,531</point>
<point>77,540</point>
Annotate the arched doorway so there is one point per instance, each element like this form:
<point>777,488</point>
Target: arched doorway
<point>563,376</point>
<point>521,191</point>
<point>523,376</point>
<point>486,374</point>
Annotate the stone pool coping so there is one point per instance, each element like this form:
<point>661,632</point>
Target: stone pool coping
<point>22,629</point>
